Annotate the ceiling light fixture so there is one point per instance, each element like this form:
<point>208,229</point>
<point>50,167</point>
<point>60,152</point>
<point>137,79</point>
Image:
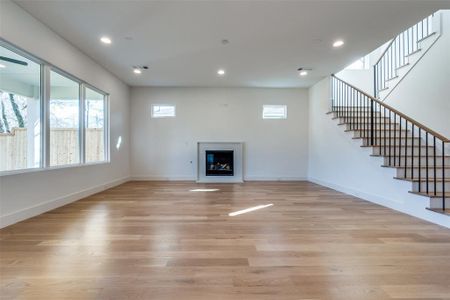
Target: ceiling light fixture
<point>221,72</point>
<point>338,43</point>
<point>2,66</point>
<point>303,71</point>
<point>137,71</point>
<point>105,40</point>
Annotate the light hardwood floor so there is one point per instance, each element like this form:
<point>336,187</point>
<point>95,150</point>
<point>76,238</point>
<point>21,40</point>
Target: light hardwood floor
<point>160,240</point>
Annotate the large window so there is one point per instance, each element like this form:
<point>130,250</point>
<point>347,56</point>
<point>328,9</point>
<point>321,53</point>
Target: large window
<point>47,117</point>
<point>20,112</point>
<point>64,120</point>
<point>95,126</point>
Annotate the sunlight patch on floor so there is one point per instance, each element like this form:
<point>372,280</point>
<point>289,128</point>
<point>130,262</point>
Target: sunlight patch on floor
<point>204,190</point>
<point>250,209</point>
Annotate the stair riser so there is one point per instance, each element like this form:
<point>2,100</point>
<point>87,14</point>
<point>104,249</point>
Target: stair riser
<point>401,151</point>
<point>423,173</point>
<point>416,161</point>
<point>437,202</point>
<point>394,142</point>
<point>439,188</point>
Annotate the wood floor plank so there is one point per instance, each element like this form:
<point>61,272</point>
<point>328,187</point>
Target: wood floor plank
<point>162,240</point>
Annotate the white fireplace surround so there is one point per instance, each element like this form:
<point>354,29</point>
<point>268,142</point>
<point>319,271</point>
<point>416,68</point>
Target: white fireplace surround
<point>236,147</point>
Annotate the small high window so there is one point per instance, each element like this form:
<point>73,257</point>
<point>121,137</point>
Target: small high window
<point>274,112</point>
<point>163,111</point>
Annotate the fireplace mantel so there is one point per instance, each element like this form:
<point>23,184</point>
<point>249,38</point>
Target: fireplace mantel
<point>236,147</point>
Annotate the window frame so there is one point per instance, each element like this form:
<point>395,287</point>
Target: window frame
<point>163,117</point>
<point>45,69</point>
<point>284,117</point>
<point>106,124</point>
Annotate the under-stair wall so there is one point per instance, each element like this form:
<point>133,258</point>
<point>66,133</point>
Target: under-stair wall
<point>337,161</point>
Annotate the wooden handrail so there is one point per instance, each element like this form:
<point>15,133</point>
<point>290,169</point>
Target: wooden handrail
<point>423,127</point>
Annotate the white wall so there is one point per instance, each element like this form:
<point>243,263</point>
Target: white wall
<point>165,148</point>
<point>424,93</point>
<point>338,161</point>
<point>363,79</point>
<point>24,195</point>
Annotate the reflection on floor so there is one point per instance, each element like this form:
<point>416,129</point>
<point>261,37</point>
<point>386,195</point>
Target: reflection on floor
<point>159,240</point>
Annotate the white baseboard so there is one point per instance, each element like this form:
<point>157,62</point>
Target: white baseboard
<point>162,178</point>
<point>41,208</point>
<point>424,214</point>
<point>190,178</point>
<point>268,178</point>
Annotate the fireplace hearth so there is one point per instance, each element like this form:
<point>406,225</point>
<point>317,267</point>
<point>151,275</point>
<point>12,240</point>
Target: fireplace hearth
<point>219,162</point>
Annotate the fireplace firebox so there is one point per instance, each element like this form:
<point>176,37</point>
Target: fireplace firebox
<point>219,162</point>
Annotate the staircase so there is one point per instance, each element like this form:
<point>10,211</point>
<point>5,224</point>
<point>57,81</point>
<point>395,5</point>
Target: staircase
<point>403,53</point>
<point>419,155</point>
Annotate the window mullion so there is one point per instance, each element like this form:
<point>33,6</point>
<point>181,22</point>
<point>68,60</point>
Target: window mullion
<point>82,122</point>
<point>45,116</point>
<point>106,126</point>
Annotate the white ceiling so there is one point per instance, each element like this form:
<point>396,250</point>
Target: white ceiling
<point>180,41</point>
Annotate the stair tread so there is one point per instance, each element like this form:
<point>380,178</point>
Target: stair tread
<point>396,146</point>
<point>426,37</point>
<point>430,194</point>
<point>414,52</point>
<point>430,166</point>
<point>392,78</point>
<point>354,118</point>
<point>440,156</point>
<point>441,211</point>
<point>359,123</point>
<point>388,138</point>
<point>430,180</point>
<point>402,66</point>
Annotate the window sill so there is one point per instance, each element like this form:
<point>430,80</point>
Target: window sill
<point>36,170</point>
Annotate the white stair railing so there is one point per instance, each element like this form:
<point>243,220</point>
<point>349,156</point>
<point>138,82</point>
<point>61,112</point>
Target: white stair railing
<point>397,52</point>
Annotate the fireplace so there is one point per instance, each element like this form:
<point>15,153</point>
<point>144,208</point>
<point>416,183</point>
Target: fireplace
<point>219,162</point>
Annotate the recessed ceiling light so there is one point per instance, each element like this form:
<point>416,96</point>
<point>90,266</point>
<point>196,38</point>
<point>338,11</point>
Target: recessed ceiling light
<point>137,71</point>
<point>338,43</point>
<point>105,40</point>
<point>221,72</point>
<point>303,73</point>
<point>2,66</point>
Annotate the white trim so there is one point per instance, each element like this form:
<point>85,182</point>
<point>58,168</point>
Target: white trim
<point>45,88</point>
<point>194,179</point>
<point>81,122</point>
<point>41,208</point>
<point>238,157</point>
<point>283,117</point>
<point>424,214</point>
<point>268,178</point>
<point>162,117</point>
<point>162,178</point>
<point>33,170</point>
